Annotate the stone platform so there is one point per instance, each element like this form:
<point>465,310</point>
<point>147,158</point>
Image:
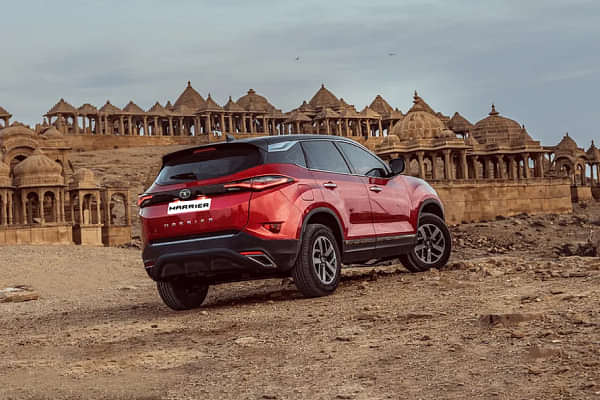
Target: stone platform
<point>482,200</point>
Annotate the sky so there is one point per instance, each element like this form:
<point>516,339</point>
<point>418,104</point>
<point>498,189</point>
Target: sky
<point>537,60</point>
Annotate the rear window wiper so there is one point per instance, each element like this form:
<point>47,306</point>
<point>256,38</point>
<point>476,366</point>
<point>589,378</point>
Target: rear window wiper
<point>187,175</point>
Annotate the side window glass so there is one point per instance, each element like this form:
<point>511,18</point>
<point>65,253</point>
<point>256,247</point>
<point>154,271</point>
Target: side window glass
<point>293,155</point>
<point>362,161</point>
<point>324,156</point>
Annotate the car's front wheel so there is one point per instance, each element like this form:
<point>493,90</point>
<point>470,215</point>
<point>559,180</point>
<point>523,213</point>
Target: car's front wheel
<point>433,245</point>
<point>318,267</point>
<point>182,293</point>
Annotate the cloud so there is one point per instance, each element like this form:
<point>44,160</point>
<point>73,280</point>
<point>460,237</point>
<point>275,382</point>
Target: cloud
<point>460,55</point>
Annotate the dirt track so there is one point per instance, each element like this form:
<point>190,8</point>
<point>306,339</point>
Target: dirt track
<point>507,320</point>
<point>490,328</point>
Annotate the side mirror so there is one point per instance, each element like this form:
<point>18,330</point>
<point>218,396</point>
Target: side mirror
<point>397,166</point>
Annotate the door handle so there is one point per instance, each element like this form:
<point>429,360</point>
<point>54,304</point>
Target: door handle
<point>376,189</point>
<point>330,185</point>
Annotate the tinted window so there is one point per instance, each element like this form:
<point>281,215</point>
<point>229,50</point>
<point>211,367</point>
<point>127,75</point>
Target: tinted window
<point>362,161</point>
<point>208,163</point>
<point>323,155</point>
<point>292,156</point>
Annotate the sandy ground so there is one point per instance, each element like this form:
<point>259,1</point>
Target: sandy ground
<point>510,318</point>
<point>493,327</point>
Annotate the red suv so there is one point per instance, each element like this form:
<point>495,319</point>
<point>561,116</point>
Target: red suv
<point>279,206</point>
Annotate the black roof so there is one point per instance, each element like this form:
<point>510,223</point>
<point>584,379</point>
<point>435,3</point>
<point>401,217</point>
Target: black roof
<point>262,142</point>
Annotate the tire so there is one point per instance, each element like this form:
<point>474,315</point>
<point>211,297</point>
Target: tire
<point>182,293</point>
<point>312,278</point>
<point>433,243</point>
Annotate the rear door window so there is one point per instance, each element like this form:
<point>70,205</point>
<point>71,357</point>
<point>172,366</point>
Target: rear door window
<point>208,163</point>
<point>324,156</point>
<point>292,155</point>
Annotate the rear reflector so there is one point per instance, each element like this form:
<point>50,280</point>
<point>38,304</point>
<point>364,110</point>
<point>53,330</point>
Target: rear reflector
<point>260,258</point>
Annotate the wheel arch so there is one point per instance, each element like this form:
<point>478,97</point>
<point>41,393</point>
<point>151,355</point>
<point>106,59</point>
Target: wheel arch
<point>431,206</point>
<point>327,217</point>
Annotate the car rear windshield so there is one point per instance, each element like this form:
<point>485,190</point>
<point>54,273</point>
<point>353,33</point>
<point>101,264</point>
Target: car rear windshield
<point>208,163</point>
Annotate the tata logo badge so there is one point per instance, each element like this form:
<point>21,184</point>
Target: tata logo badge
<point>185,194</point>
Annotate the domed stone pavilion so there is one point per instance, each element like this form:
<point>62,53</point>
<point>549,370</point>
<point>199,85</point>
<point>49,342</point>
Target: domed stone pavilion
<point>34,206</point>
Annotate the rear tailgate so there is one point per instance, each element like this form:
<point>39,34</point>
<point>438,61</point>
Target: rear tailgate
<point>189,197</point>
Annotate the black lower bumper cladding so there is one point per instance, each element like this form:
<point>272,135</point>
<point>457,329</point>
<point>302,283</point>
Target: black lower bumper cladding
<point>218,257</point>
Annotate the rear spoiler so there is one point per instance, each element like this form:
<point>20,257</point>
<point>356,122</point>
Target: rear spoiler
<point>256,143</point>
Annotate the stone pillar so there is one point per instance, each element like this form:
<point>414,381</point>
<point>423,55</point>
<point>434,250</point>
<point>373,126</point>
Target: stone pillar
<point>265,127</point>
<point>526,165</point>
<point>231,127</point>
<point>359,127</point>
<point>540,162</point>
<point>346,128</point>
<point>420,155</point>
<point>243,130</point>
<point>41,207</point>
<point>196,126</point>
<point>121,125</point>
<point>146,126</point>
<point>130,125</point>
<point>475,168</point>
<point>499,169</point>
<point>327,127</point>
<point>98,217</point>
<point>155,131</point>
<point>76,123</point>
<point>80,199</point>
<point>252,124</point>
<point>171,133</point>
<point>23,209</point>
<point>3,209</point>
<point>368,122</point>
<point>464,165</point>
<point>11,217</point>
<point>208,125</point>
<point>447,165</point>
<point>379,126</point>
<point>434,174</point>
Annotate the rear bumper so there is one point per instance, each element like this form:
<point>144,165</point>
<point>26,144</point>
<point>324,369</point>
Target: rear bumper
<point>218,257</point>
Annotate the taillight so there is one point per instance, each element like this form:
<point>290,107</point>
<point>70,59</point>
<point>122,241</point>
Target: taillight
<point>258,183</point>
<point>144,199</point>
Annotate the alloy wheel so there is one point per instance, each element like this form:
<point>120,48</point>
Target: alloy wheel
<point>430,244</point>
<point>324,260</point>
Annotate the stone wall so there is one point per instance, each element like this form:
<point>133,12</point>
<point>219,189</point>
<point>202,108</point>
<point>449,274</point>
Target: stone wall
<point>51,234</point>
<point>108,142</point>
<point>482,200</point>
<point>581,193</point>
<point>116,235</point>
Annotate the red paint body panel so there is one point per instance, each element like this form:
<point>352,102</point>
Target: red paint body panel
<point>363,213</point>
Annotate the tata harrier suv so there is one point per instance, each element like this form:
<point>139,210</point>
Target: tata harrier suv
<point>279,206</point>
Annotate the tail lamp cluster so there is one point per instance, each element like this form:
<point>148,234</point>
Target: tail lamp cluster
<point>256,184</point>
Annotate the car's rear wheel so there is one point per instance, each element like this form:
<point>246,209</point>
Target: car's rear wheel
<point>433,245</point>
<point>318,268</point>
<point>182,293</point>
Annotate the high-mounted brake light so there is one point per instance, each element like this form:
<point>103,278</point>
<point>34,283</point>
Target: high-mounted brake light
<point>258,183</point>
<point>204,150</point>
<point>143,198</point>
